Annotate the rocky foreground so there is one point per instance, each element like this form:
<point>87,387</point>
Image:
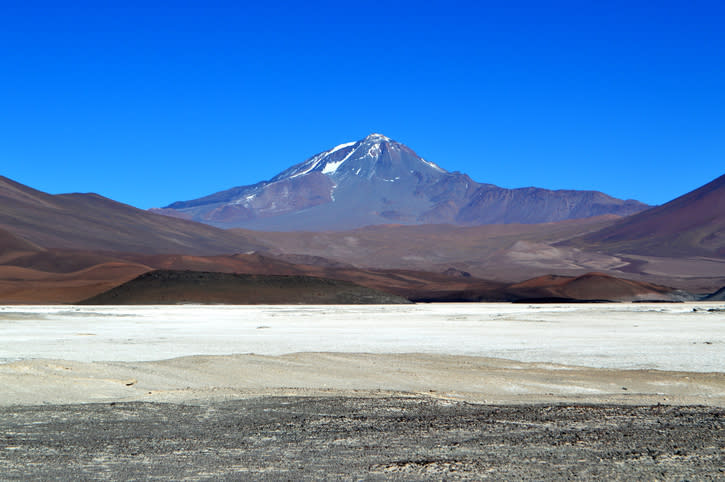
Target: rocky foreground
<point>126,393</point>
<point>372,436</point>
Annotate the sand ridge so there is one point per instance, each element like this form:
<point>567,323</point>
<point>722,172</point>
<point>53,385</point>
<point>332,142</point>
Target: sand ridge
<point>473,379</point>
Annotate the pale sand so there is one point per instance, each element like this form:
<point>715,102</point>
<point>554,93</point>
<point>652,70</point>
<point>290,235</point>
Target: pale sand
<point>475,379</point>
<point>633,353</point>
<point>670,337</point>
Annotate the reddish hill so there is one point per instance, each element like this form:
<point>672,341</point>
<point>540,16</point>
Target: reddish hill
<point>238,263</point>
<point>591,286</point>
<point>56,276</point>
<point>92,222</point>
<point>691,225</point>
<point>20,285</point>
<point>63,276</point>
<point>67,277</point>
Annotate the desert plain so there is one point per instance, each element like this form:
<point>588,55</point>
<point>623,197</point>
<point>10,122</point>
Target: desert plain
<point>488,390</point>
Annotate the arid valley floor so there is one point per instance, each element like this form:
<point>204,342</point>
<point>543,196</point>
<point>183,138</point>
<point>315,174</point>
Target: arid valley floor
<point>411,391</point>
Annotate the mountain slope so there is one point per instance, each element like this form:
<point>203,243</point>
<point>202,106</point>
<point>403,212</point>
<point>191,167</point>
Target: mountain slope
<point>378,181</point>
<point>719,295</point>
<point>485,251</point>
<point>92,222</point>
<point>691,225</point>
<point>11,244</point>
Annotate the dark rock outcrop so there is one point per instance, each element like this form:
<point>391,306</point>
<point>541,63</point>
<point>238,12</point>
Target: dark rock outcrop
<point>178,287</point>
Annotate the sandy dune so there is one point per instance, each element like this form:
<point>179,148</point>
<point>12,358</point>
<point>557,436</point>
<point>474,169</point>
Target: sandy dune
<point>476,379</point>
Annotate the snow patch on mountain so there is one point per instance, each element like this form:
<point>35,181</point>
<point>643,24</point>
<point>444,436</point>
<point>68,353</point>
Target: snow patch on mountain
<point>374,151</point>
<point>245,200</point>
<point>331,167</point>
<point>434,165</point>
<point>309,166</point>
<point>341,146</point>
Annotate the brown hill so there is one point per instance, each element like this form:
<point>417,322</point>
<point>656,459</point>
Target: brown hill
<point>488,251</point>
<point>173,287</point>
<point>237,263</point>
<point>61,276</point>
<point>61,261</point>
<point>691,225</point>
<point>592,286</point>
<point>411,284</point>
<point>507,253</point>
<point>57,276</point>
<point>30,286</point>
<point>92,222</point>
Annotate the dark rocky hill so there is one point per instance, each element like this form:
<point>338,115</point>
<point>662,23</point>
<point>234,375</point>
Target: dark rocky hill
<point>175,287</point>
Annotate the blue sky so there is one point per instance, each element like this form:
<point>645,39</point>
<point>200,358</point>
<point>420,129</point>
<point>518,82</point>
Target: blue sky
<point>150,105</point>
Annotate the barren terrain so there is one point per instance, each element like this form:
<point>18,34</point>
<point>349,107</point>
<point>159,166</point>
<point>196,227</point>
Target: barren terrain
<point>468,391</point>
<point>362,436</point>
<point>634,353</point>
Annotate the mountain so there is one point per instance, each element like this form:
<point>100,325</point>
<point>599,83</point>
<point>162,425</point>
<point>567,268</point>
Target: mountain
<point>691,225</point>
<point>30,219</point>
<point>380,181</point>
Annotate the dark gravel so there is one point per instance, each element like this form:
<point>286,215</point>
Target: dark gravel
<point>292,438</point>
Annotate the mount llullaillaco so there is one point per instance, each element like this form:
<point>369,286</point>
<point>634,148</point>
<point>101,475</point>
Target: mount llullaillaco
<point>380,181</point>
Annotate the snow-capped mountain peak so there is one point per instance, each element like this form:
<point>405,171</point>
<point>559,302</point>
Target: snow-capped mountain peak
<point>377,138</point>
<point>379,180</point>
<point>367,157</point>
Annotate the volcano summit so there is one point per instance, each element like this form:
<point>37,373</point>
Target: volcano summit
<point>379,181</point>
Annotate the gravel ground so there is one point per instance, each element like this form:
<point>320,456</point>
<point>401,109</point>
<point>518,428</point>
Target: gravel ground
<point>375,437</point>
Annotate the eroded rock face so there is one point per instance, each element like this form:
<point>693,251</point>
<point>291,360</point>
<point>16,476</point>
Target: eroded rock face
<point>379,181</point>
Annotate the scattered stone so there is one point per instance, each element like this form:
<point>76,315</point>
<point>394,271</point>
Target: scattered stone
<point>408,438</point>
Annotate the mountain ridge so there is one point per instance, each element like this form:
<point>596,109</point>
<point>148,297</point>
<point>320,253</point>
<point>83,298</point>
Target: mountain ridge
<point>93,222</point>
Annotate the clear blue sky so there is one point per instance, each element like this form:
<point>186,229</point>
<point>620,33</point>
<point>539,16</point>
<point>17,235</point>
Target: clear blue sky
<point>154,105</point>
